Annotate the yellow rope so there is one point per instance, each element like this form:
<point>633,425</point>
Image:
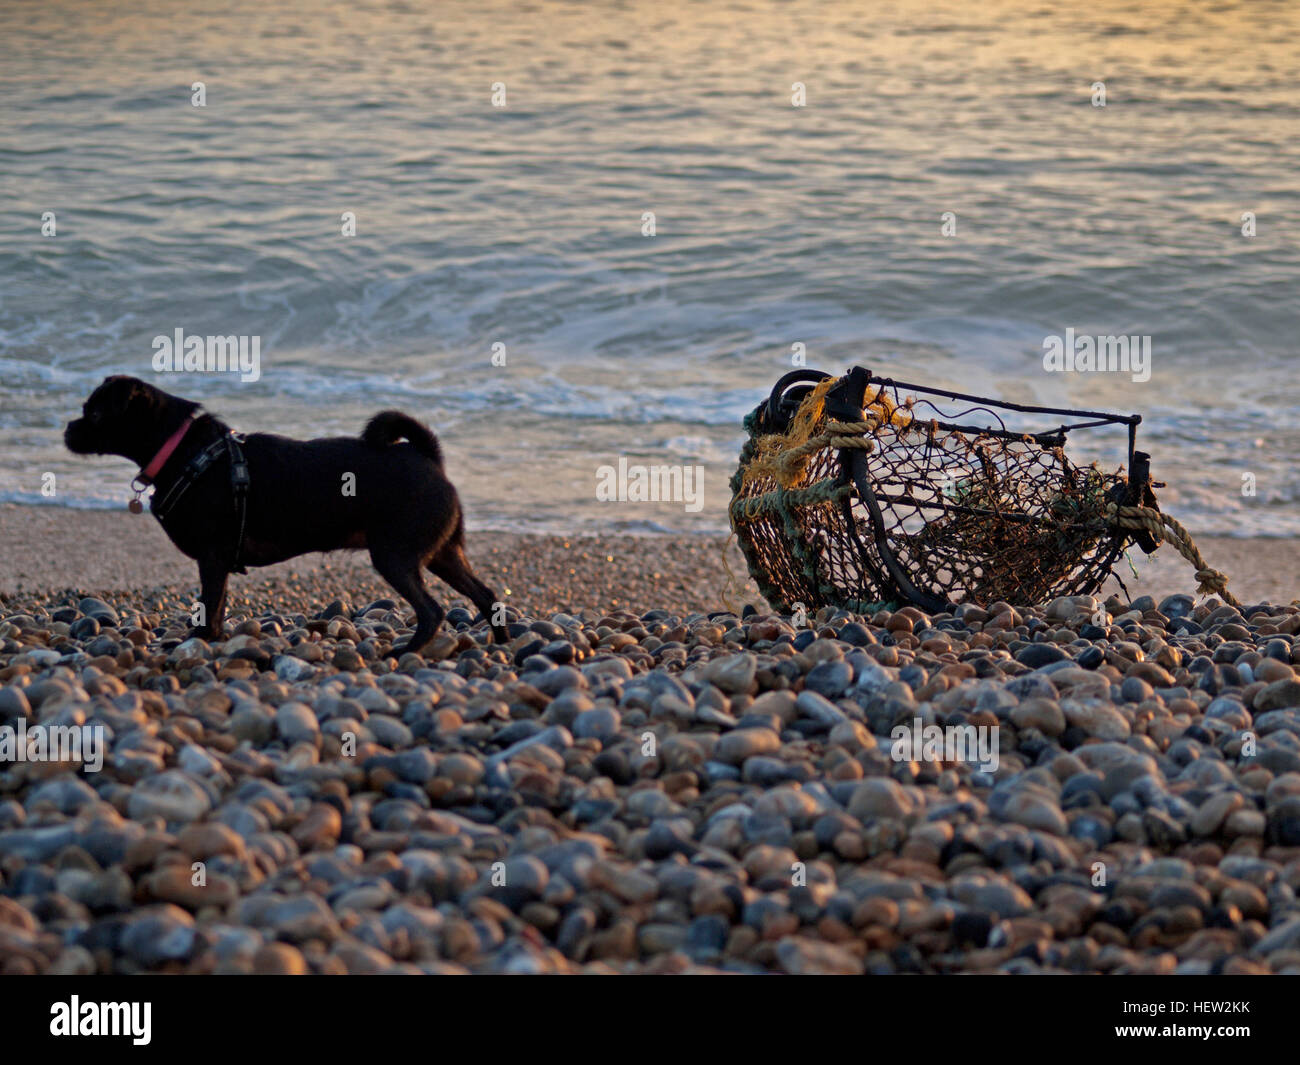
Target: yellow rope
<point>784,457</point>
<point>1165,527</point>
<point>770,451</point>
<point>789,467</point>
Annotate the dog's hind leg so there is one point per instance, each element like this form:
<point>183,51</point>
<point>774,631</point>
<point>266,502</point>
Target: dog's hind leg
<point>451,565</point>
<point>402,571</point>
<point>212,596</point>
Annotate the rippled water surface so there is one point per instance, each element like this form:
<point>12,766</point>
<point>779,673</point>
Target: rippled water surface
<point>775,225</point>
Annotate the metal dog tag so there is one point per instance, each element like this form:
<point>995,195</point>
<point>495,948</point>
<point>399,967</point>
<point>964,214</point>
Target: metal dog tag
<point>135,507</point>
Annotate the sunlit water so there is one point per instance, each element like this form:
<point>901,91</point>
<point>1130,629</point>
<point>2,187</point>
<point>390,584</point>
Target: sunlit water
<point>776,225</point>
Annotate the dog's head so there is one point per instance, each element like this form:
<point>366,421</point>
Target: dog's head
<point>123,416</point>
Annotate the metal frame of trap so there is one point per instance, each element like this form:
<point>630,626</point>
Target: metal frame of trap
<point>885,576</point>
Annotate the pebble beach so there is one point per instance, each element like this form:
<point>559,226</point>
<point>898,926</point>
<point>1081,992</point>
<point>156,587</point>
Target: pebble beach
<point>656,774</point>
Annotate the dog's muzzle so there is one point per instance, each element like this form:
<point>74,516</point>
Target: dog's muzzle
<point>74,438</point>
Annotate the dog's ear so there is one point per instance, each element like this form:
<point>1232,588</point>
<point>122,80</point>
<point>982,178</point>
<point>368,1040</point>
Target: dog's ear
<point>123,393</point>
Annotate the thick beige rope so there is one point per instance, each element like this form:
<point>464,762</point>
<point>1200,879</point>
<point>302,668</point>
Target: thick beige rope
<point>1164,527</point>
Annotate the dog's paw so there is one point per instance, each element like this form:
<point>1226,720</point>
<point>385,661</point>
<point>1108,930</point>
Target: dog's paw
<point>202,632</point>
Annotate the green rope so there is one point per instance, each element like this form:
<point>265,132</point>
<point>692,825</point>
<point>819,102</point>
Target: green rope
<point>780,500</point>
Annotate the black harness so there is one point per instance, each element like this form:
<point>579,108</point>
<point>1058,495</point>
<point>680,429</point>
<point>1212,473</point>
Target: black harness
<point>195,468</point>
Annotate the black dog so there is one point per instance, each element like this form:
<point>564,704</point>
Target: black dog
<point>230,502</point>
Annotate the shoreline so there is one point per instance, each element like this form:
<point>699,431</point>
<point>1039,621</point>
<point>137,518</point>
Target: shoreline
<point>57,549</point>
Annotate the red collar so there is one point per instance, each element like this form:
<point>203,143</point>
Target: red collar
<point>165,452</point>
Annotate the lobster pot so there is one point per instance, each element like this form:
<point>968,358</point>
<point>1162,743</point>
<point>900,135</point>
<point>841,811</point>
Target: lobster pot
<point>861,492</point>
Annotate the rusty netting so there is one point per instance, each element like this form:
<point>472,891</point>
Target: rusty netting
<point>859,491</point>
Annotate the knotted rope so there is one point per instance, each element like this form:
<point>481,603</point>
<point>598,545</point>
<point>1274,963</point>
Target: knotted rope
<point>784,456</point>
<point>787,468</point>
<point>1164,527</point>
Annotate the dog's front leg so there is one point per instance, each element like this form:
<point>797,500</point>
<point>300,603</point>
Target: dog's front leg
<point>212,578</point>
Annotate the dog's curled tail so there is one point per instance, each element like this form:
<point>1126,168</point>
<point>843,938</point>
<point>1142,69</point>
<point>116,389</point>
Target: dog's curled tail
<point>389,426</point>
